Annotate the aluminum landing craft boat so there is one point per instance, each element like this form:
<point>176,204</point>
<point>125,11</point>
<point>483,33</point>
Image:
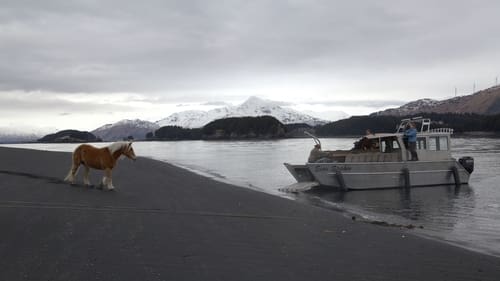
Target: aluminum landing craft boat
<point>381,161</point>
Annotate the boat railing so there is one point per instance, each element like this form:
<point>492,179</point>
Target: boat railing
<point>315,138</point>
<point>425,126</point>
<point>442,130</point>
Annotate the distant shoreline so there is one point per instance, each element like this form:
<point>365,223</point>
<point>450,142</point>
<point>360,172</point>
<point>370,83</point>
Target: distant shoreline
<point>462,135</point>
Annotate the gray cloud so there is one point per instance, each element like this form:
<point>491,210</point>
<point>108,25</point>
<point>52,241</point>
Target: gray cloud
<point>216,103</point>
<point>169,46</point>
<point>360,103</point>
<point>30,103</point>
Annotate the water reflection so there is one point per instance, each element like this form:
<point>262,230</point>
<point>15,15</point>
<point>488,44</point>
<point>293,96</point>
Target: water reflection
<point>444,212</point>
<point>427,205</point>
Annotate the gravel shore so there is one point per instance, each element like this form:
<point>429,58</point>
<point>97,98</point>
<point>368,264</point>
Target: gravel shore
<point>166,223</point>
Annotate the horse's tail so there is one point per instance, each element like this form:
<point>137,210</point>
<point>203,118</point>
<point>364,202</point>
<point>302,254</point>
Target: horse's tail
<point>70,177</point>
<point>76,160</point>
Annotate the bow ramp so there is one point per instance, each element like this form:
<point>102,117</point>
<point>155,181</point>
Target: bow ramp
<point>299,186</point>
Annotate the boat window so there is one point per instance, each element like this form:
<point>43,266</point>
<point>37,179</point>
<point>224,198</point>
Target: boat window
<point>395,144</point>
<point>443,143</point>
<point>421,143</point>
<point>433,144</point>
<point>375,145</point>
<point>389,144</point>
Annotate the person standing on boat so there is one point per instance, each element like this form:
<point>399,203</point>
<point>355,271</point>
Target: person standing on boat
<point>411,134</point>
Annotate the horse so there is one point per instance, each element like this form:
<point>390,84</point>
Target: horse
<point>99,158</point>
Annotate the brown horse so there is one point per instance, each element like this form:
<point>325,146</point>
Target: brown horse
<point>99,158</point>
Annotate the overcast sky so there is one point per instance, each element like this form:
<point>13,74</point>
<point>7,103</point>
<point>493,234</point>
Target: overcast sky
<point>82,64</point>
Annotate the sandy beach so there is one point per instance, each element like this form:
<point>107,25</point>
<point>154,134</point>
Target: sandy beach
<point>166,223</point>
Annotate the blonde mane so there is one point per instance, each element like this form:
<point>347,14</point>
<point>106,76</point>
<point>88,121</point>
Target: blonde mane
<point>114,147</point>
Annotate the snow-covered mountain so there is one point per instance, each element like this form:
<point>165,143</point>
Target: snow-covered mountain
<point>196,119</point>
<point>125,128</point>
<point>252,107</point>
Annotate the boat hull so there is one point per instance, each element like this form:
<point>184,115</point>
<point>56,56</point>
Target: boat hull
<point>375,175</point>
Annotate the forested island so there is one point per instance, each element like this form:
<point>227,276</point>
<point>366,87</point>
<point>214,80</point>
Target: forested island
<point>70,136</point>
<point>263,127</point>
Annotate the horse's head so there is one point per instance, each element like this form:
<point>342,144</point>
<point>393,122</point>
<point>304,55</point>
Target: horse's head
<point>129,152</point>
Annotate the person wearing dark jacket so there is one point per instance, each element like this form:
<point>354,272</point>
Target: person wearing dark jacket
<point>411,134</point>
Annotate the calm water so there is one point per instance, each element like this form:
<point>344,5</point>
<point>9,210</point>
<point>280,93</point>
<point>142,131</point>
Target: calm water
<point>468,216</point>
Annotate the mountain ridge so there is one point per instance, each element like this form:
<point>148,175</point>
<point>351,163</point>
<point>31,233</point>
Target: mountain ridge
<point>486,102</point>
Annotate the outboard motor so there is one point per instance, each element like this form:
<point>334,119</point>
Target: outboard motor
<point>468,163</point>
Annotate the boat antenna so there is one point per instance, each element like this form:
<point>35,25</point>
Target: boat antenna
<point>315,138</point>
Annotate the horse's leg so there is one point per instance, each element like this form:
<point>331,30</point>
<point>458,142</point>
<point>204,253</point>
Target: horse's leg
<point>107,181</point>
<point>86,179</point>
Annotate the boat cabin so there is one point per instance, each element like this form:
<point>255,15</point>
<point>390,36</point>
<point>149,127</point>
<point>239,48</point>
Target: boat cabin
<point>432,145</point>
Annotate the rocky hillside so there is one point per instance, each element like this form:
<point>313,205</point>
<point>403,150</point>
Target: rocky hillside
<point>486,102</point>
